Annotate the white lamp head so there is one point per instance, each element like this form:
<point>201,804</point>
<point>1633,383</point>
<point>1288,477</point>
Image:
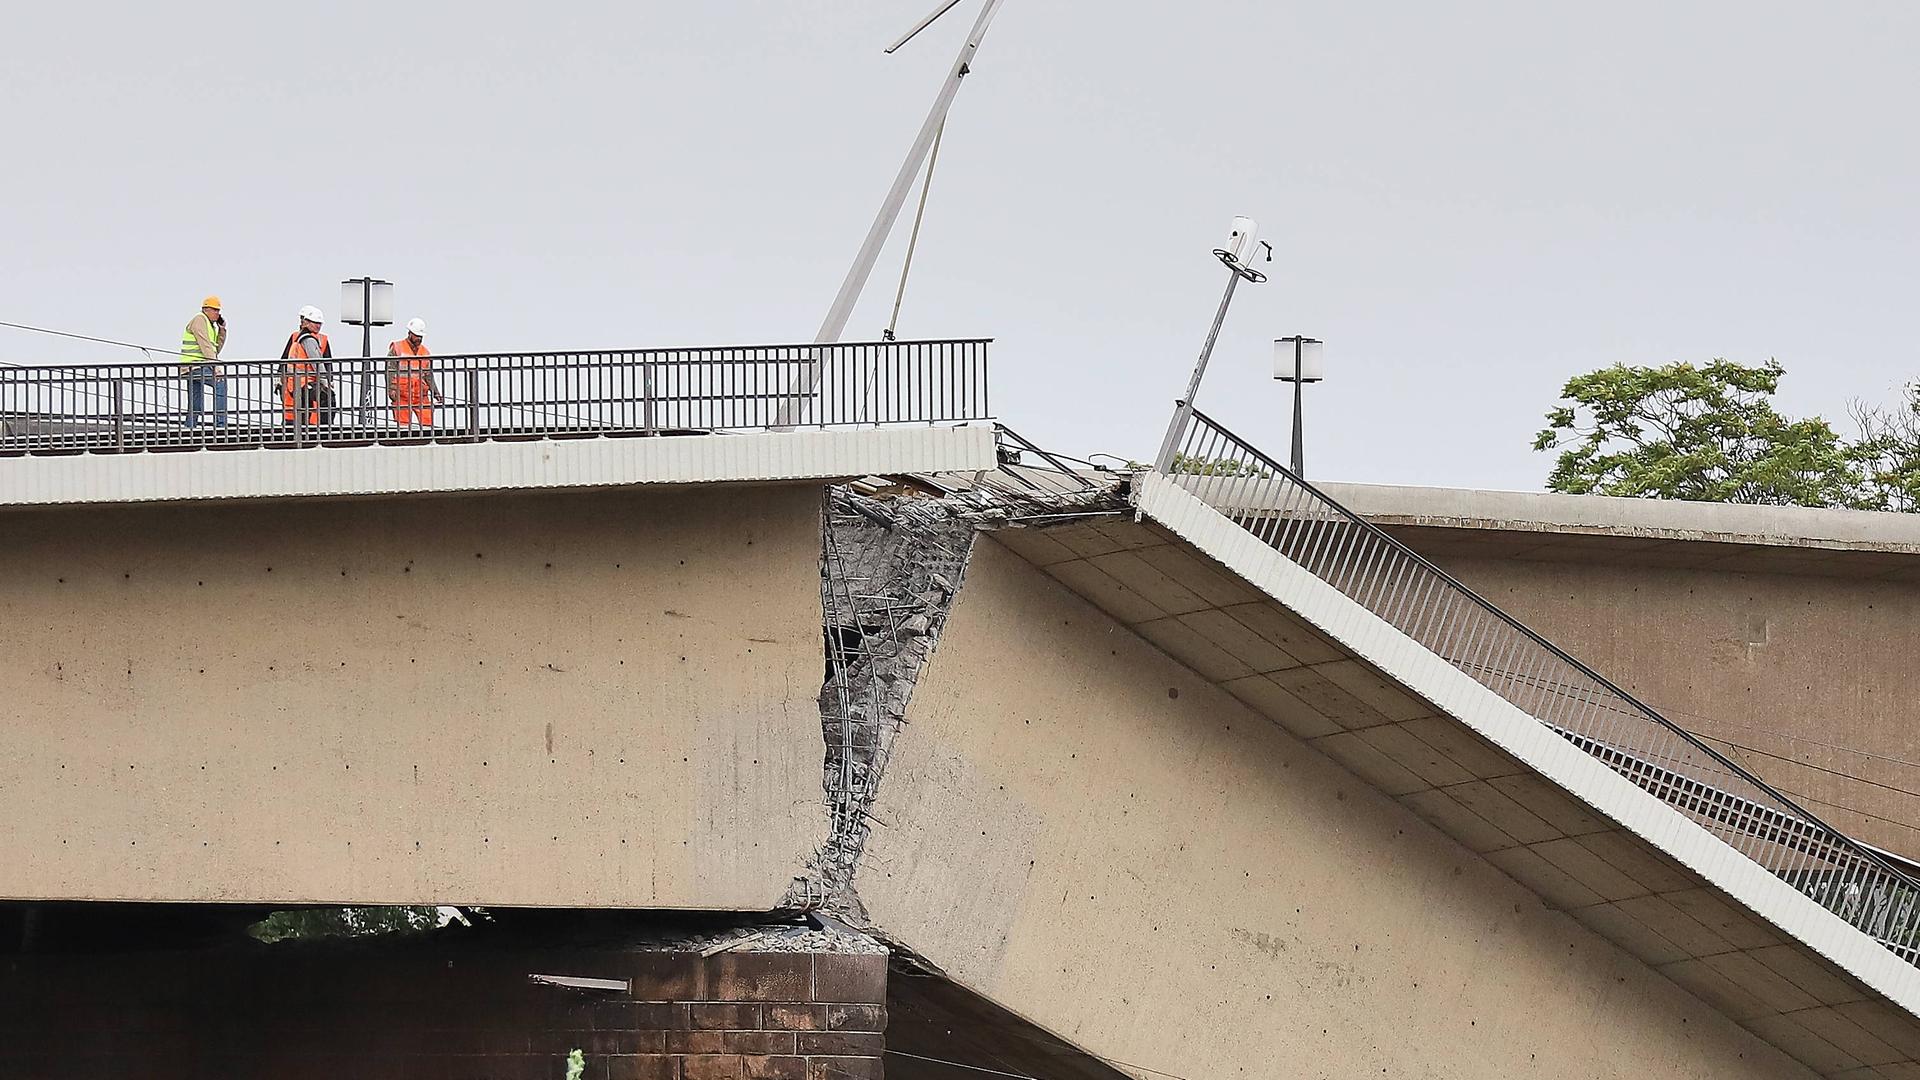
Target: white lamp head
<point>366,304</point>
<point>1299,357</point>
<point>1242,239</point>
<point>382,297</point>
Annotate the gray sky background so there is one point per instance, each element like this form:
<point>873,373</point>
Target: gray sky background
<point>1471,201</point>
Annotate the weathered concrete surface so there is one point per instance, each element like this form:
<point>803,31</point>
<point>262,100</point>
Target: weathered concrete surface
<point>592,699</point>
<point>505,465</point>
<point>1785,635</point>
<point>1686,531</point>
<point>1093,836</point>
<point>1808,682</point>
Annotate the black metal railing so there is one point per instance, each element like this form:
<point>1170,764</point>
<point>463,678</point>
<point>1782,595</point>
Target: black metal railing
<point>1429,605</point>
<point>116,408</point>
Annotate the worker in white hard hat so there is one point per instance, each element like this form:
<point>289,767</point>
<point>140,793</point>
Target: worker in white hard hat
<point>410,384</point>
<point>306,395</point>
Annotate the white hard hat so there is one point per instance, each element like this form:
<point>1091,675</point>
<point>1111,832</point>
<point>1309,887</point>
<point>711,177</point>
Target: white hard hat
<point>417,326</point>
<point>312,314</point>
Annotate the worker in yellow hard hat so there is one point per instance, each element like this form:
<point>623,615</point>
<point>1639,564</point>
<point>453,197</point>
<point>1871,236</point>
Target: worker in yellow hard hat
<point>200,345</point>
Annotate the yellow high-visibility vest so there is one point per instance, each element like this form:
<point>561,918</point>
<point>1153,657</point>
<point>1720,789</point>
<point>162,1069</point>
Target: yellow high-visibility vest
<point>190,348</point>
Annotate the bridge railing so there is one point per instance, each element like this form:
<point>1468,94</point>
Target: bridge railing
<point>115,408</point>
<point>1429,605</point>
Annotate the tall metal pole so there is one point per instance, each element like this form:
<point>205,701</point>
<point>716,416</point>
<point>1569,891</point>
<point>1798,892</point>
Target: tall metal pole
<point>856,280</point>
<point>1163,461</point>
<point>1299,444</point>
<point>366,350</point>
<point>863,263</point>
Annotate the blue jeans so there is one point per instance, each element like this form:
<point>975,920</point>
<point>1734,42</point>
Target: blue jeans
<point>199,377</point>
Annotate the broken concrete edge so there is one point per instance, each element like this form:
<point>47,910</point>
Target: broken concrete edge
<point>703,932</point>
<point>890,569</point>
<point>892,564</point>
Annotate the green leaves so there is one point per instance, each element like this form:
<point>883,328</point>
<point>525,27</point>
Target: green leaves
<point>1708,433</point>
<point>1198,466</point>
<point>307,923</point>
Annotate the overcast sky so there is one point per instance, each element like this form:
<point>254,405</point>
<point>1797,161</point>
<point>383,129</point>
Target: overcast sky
<point>1471,201</point>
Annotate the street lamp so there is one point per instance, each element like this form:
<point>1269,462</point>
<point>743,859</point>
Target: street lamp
<point>1298,360</point>
<point>1243,244</point>
<point>366,303</point>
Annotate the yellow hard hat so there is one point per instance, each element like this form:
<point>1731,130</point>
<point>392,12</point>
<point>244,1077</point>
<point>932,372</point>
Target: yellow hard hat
<point>212,302</point>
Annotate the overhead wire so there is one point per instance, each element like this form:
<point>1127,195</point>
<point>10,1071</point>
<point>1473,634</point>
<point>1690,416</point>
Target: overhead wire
<point>1026,1076</point>
<point>913,238</point>
<point>1565,690</point>
<point>243,399</point>
<point>1821,769</point>
<point>1051,1043</point>
<point>149,349</point>
<point>1790,738</point>
<point>1699,733</point>
<point>1562,689</point>
<point>906,266</point>
<point>962,1065</point>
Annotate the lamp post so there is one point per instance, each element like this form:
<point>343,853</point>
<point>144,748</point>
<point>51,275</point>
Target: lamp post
<point>1243,242</point>
<point>1298,360</point>
<point>366,303</point>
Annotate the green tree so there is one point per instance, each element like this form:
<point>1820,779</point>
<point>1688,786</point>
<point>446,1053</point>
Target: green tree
<point>1198,466</point>
<point>1708,433</point>
<point>1225,466</point>
<point>306,923</point>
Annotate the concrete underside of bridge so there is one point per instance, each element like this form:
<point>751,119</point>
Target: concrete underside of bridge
<point>586,699</point>
<point>1092,835</point>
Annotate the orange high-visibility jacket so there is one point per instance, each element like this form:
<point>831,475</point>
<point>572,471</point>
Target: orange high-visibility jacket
<point>300,370</point>
<point>409,371</point>
<point>410,354</point>
<point>297,351</point>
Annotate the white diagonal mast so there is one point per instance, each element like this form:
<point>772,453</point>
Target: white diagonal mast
<point>883,222</point>
<point>863,263</point>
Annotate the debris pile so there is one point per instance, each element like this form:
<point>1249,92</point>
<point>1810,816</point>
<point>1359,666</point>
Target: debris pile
<point>787,939</point>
